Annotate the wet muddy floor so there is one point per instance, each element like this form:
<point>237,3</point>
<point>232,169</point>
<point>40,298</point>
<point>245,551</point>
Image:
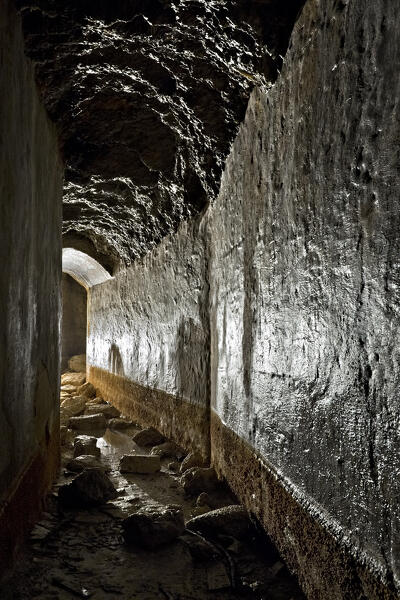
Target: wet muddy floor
<point>81,553</point>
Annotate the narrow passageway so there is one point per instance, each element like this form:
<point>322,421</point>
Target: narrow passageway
<point>78,547</point>
<point>219,183</point>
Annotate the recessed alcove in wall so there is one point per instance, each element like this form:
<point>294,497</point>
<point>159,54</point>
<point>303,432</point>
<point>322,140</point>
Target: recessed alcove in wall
<point>80,273</point>
<point>74,319</point>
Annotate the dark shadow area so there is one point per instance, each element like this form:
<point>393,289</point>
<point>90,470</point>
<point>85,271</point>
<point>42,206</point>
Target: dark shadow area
<point>115,364</point>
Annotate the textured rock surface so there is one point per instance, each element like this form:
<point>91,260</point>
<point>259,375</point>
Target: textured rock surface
<point>87,390</point>
<point>106,409</point>
<point>74,405</point>
<point>168,449</point>
<point>193,459</point>
<point>150,325</point>
<point>89,488</point>
<point>119,423</point>
<point>84,461</point>
<point>199,479</point>
<point>148,97</point>
<point>84,445</point>
<point>30,214</point>
<point>96,421</point>
<point>139,463</point>
<point>153,527</point>
<point>76,379</point>
<point>229,520</point>
<point>303,286</point>
<point>148,437</point>
<point>305,276</point>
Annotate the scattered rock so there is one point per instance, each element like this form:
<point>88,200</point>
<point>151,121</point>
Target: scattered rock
<point>148,437</point>
<point>217,577</point>
<point>76,379</point>
<point>87,422</point>
<point>75,405</point>
<point>39,533</point>
<point>200,510</point>
<point>119,423</point>
<point>197,479</point>
<point>199,548</point>
<point>168,449</point>
<point>77,363</point>
<point>71,390</point>
<point>84,445</point>
<point>89,488</point>
<point>87,389</point>
<point>154,526</point>
<point>107,410</point>
<point>193,459</point>
<point>230,520</point>
<point>139,463</point>
<point>65,416</point>
<point>84,461</point>
<point>174,466</point>
<point>203,500</point>
<point>98,400</point>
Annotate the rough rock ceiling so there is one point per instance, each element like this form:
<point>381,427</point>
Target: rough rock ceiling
<point>147,96</point>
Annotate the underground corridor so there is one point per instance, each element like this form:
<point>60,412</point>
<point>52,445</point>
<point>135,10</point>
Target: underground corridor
<point>199,295</point>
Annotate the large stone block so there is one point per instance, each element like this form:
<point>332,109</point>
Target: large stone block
<point>139,463</point>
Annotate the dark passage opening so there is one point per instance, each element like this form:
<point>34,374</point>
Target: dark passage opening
<point>74,319</point>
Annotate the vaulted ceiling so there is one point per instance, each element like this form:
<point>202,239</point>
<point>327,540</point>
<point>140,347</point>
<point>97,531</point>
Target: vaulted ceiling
<point>147,96</point>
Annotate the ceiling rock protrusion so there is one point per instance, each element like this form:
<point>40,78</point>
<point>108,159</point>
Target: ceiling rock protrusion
<point>147,97</point>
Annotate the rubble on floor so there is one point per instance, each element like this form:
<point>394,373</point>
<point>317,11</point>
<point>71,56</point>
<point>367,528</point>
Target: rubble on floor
<point>123,521</point>
<point>229,520</point>
<point>75,379</point>
<point>84,422</point>
<point>87,389</point>
<point>89,488</point>
<point>169,449</point>
<point>107,410</point>
<point>154,526</point>
<point>84,461</point>
<point>85,444</point>
<point>139,463</point>
<point>199,479</point>
<point>119,423</point>
<point>148,437</point>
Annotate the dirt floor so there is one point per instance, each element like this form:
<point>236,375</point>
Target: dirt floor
<point>81,553</point>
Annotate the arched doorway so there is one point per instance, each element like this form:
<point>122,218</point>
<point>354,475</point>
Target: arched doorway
<point>80,273</point>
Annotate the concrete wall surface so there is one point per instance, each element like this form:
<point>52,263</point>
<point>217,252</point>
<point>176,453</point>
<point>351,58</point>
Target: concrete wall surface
<point>305,272</point>
<point>30,240</point>
<point>74,318</point>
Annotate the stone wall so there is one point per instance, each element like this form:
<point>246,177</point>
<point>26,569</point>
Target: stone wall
<point>304,286</point>
<point>148,344</point>
<point>74,317</point>
<point>30,217</point>
<point>303,277</point>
